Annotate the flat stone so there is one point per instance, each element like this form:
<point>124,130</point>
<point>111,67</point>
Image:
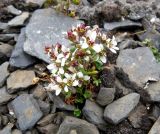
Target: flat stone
<point>105,96</point>
<point>48,129</point>
<point>45,29</point>
<point>135,64</point>
<point>155,128</point>
<point>48,119</point>
<point>4,73</point>
<point>127,24</point>
<point>94,114</point>
<point>19,20</point>
<point>3,26</point>
<point>19,58</point>
<point>7,129</point>
<point>6,50</point>
<point>26,111</point>
<point>11,9</point>
<point>121,108</point>
<point>59,103</point>
<point>19,80</point>
<point>16,131</point>
<point>78,125</point>
<point>138,116</point>
<point>38,2</point>
<point>4,96</point>
<point>39,92</point>
<point>154,91</point>
<point>7,37</point>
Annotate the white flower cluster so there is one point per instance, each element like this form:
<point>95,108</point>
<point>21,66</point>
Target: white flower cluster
<point>70,66</point>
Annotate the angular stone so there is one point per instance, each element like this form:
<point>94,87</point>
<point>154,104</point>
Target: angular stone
<point>39,92</point>
<point>48,129</point>
<point>38,2</point>
<point>136,65</point>
<point>121,108</point>
<point>26,111</point>
<point>11,9</point>
<point>138,116</point>
<point>19,80</point>
<point>105,96</point>
<point>78,125</point>
<point>45,29</point>
<point>19,58</point>
<point>44,107</point>
<point>94,114</point>
<point>3,26</point>
<point>154,91</point>
<point>7,37</point>
<point>155,128</point>
<point>4,73</point>
<point>6,50</point>
<point>48,119</point>
<point>4,96</point>
<point>127,24</point>
<point>7,129</point>
<point>59,103</point>
<point>19,20</point>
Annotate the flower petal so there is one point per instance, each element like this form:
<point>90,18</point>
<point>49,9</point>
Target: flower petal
<point>63,62</point>
<point>58,91</point>
<point>61,71</point>
<point>97,48</point>
<point>66,89</point>
<point>114,51</point>
<point>86,77</point>
<point>75,83</point>
<point>59,79</point>
<point>103,59</point>
<point>80,74</point>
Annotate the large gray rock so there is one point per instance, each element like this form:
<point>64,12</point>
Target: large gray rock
<point>121,25</point>
<point>139,65</point>
<point>19,80</point>
<point>4,73</point>
<point>4,96</point>
<point>45,28</point>
<point>155,128</point>
<point>105,96</point>
<point>26,111</point>
<point>153,91</point>
<point>19,20</point>
<point>121,108</point>
<point>19,58</point>
<point>79,126</point>
<point>3,26</point>
<point>94,114</point>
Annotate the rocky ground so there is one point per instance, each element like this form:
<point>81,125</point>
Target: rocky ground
<point>128,101</point>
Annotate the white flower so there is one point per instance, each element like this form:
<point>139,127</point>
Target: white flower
<point>66,89</point>
<point>75,83</point>
<point>92,34</point>
<point>103,59</point>
<point>52,67</point>
<point>59,79</point>
<point>98,48</point>
<point>114,45</point>
<point>64,49</point>
<point>86,77</point>
<point>63,62</point>
<point>65,80</point>
<point>80,74</point>
<point>83,43</point>
<point>53,87</point>
<point>61,71</point>
<point>60,56</point>
<point>87,58</point>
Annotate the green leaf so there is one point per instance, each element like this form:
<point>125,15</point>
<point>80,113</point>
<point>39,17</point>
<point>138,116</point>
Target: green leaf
<point>77,112</point>
<point>73,49</point>
<point>68,94</point>
<point>99,65</point>
<point>79,100</point>
<point>76,2</point>
<point>87,94</point>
